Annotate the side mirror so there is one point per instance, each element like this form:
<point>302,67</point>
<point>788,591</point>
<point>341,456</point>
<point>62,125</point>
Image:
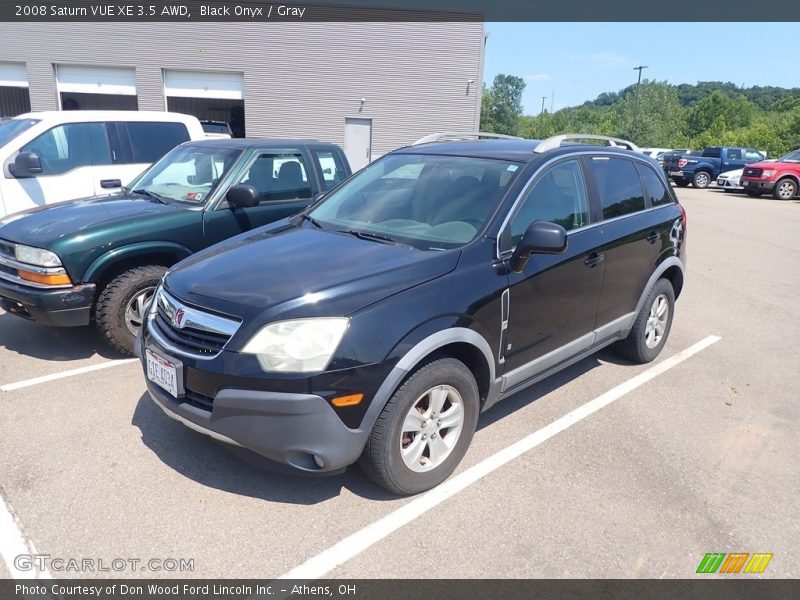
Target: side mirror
<point>242,196</point>
<point>27,164</point>
<point>541,237</point>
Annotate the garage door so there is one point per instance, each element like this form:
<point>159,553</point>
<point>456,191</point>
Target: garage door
<point>13,75</point>
<point>96,80</point>
<point>204,84</point>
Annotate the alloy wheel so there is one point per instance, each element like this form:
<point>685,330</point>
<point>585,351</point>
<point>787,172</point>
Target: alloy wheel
<point>656,321</point>
<point>432,428</point>
<point>135,310</point>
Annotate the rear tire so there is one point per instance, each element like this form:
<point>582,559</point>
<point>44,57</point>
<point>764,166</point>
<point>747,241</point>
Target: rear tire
<point>753,194</point>
<point>785,189</point>
<point>121,305</point>
<point>682,182</point>
<point>651,328</point>
<point>701,180</point>
<point>411,449</point>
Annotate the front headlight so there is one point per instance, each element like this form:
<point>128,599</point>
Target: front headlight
<point>297,346</point>
<point>768,173</point>
<point>36,256</point>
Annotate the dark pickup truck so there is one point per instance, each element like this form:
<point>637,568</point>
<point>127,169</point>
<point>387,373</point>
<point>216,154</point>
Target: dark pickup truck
<point>101,258</point>
<point>701,170</point>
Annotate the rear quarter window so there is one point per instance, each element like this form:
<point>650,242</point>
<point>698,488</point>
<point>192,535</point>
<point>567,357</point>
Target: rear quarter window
<point>655,191</point>
<point>151,141</point>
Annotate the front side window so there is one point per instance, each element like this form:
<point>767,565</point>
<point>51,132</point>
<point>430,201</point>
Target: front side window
<point>189,173</point>
<point>558,196</point>
<point>618,185</point>
<point>278,176</point>
<point>653,186</point>
<point>151,141</point>
<point>429,202</point>
<point>754,155</point>
<point>70,146</point>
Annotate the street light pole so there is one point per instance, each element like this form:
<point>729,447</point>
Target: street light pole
<point>640,68</point>
<point>543,99</point>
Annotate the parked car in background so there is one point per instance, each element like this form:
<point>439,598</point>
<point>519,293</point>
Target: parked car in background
<point>101,258</point>
<point>217,129</point>
<point>730,181</point>
<point>50,157</point>
<point>654,152</point>
<point>701,171</point>
<point>445,276</point>
<point>780,177</point>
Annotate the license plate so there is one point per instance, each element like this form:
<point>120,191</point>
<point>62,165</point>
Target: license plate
<point>162,372</point>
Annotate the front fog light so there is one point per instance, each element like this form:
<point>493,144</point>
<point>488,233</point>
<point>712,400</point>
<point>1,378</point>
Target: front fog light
<point>297,346</point>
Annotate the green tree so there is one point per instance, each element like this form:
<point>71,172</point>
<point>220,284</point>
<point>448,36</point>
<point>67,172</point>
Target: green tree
<point>501,105</point>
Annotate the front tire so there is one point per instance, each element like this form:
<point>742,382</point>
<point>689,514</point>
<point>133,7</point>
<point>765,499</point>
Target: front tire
<point>652,325</point>
<point>682,182</point>
<point>121,306</point>
<point>701,180</point>
<point>424,430</point>
<point>753,194</point>
<point>785,189</point>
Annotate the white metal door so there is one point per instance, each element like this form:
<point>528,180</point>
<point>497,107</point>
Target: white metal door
<point>358,142</point>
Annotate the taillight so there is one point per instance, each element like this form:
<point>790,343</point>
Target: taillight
<point>682,162</point>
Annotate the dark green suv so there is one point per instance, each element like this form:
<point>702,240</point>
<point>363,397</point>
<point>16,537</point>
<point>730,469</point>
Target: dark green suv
<point>101,258</point>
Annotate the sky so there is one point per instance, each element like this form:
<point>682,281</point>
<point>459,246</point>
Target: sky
<point>575,62</point>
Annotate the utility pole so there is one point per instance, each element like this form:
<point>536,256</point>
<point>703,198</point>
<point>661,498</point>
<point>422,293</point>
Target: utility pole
<point>543,99</point>
<point>552,100</point>
<point>640,68</point>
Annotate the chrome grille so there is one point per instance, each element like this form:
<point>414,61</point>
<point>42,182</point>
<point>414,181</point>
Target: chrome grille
<point>188,331</point>
<point>752,172</point>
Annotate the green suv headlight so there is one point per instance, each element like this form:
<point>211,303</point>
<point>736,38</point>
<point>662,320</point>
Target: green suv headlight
<point>297,346</point>
<point>36,256</point>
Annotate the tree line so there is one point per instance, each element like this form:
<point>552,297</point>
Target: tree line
<point>670,116</point>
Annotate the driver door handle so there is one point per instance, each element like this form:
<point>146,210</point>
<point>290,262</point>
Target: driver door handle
<point>593,260</point>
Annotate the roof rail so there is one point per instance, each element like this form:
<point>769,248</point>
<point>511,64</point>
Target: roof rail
<point>462,135</point>
<point>554,142</point>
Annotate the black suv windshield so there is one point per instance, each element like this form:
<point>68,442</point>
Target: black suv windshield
<point>792,157</point>
<point>430,202</point>
<point>189,173</point>
<point>13,127</point>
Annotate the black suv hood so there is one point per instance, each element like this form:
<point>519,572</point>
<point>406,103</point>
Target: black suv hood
<point>44,225</point>
<point>292,272</point>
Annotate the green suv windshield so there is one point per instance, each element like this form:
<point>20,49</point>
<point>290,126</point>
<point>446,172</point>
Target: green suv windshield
<point>189,173</point>
<point>792,157</point>
<point>430,202</point>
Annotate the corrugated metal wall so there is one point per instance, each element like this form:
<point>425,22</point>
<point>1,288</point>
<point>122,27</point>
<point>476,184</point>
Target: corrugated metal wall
<point>301,79</point>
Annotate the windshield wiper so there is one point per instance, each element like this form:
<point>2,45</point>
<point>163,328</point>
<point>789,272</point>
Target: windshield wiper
<point>149,194</point>
<point>375,237</point>
<point>311,220</point>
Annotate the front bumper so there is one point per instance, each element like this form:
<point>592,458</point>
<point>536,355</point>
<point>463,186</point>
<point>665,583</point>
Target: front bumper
<point>297,428</point>
<point>757,185</point>
<point>68,307</point>
<point>729,184</point>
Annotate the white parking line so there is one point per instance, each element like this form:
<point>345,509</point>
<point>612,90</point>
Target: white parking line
<point>327,560</point>
<point>14,543</point>
<point>10,387</point>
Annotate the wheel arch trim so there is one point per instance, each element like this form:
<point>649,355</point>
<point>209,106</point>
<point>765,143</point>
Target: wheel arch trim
<point>661,268</point>
<point>108,259</point>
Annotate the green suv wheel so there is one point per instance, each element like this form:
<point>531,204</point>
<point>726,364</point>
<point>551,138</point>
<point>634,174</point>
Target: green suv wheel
<point>122,303</point>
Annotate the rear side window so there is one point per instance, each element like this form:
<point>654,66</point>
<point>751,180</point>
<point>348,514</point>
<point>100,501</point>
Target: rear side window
<point>151,141</point>
<point>331,167</point>
<point>653,187</point>
<point>734,154</point>
<point>558,196</point>
<point>618,185</point>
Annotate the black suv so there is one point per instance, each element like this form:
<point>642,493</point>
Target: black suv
<point>376,325</point>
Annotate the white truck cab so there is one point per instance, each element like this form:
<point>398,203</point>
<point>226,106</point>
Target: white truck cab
<point>49,157</point>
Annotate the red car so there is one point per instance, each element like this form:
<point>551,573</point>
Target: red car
<point>781,177</point>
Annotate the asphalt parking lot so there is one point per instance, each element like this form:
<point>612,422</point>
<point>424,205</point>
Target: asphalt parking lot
<point>702,457</point>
